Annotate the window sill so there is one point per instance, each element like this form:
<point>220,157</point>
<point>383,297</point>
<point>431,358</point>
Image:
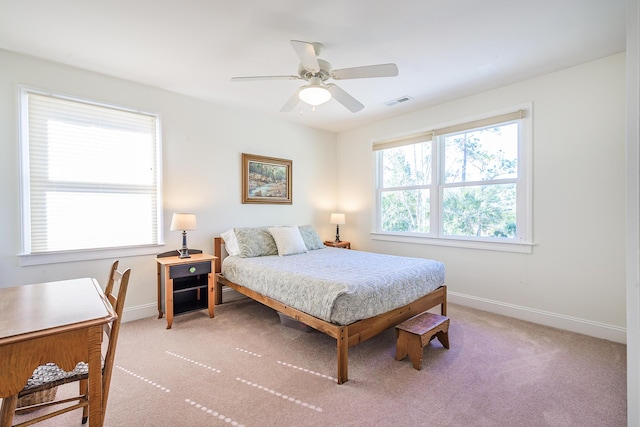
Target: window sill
<point>517,247</point>
<point>85,255</point>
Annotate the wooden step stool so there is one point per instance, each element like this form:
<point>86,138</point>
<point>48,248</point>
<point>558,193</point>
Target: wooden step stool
<point>413,334</point>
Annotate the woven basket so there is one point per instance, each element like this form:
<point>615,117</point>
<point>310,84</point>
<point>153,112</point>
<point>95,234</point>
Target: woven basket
<point>41,396</point>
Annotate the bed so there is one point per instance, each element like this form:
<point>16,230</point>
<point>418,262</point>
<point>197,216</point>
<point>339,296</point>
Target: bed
<point>349,295</point>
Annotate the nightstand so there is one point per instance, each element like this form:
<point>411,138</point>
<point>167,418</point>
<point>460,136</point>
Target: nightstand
<point>184,285</point>
<point>343,244</point>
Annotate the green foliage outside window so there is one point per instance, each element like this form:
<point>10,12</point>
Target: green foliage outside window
<point>405,167</point>
<point>480,211</point>
<point>478,188</point>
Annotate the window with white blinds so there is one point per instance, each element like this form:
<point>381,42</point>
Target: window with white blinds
<point>90,175</point>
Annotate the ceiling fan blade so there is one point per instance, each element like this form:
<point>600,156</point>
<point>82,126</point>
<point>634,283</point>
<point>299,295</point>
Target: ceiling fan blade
<point>367,71</point>
<point>291,103</point>
<point>344,98</point>
<point>250,78</point>
<point>307,54</point>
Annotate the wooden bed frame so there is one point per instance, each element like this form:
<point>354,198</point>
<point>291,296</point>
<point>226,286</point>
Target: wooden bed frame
<point>346,335</point>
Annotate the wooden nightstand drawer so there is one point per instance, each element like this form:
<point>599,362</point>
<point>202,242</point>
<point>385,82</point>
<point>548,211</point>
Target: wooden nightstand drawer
<point>186,270</point>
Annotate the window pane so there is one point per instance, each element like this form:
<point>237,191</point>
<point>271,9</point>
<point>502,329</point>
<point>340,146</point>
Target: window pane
<point>93,179</point>
<point>94,154</point>
<point>86,221</point>
<point>407,165</point>
<point>407,210</point>
<point>480,211</point>
<point>481,155</point>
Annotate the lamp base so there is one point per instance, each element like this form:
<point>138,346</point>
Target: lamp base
<point>184,252</point>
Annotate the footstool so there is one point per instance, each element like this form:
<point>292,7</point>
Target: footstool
<point>413,334</point>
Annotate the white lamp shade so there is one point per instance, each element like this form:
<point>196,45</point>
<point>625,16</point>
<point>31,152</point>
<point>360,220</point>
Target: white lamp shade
<point>314,93</point>
<point>337,218</point>
<point>183,221</point>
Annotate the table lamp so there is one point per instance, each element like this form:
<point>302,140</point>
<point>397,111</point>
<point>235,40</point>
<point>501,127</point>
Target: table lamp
<point>337,219</point>
<point>184,222</point>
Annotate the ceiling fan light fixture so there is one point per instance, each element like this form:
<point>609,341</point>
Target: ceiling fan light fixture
<point>314,93</point>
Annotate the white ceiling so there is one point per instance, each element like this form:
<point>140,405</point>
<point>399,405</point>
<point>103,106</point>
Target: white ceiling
<point>444,49</point>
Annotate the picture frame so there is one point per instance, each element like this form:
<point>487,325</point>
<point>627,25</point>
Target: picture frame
<point>266,179</point>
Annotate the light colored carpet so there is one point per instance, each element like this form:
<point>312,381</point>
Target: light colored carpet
<point>244,368</point>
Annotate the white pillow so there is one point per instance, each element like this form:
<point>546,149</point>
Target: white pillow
<point>288,240</point>
<point>231,242</point>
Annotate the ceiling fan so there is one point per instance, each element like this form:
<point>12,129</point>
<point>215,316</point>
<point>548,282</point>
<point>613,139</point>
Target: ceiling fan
<point>317,71</point>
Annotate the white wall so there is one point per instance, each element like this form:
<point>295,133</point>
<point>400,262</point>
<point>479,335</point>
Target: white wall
<point>202,146</point>
<point>575,277</point>
<point>633,212</point>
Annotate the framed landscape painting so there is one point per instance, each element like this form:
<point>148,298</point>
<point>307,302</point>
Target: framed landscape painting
<point>266,179</point>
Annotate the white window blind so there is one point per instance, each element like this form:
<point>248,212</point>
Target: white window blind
<point>429,135</point>
<point>90,175</point>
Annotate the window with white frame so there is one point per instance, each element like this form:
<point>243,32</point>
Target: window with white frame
<point>90,175</point>
<point>469,182</point>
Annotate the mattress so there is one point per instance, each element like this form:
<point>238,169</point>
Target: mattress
<point>340,286</point>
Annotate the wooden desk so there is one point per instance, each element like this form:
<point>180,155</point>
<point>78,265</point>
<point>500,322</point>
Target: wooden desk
<point>59,322</point>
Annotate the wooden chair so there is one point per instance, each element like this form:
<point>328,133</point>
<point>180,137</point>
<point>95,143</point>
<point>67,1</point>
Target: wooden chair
<point>50,376</point>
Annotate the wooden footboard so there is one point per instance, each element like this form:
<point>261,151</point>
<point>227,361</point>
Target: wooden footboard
<point>346,335</point>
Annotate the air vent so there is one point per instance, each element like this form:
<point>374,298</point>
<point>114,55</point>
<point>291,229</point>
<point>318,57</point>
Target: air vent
<point>397,101</point>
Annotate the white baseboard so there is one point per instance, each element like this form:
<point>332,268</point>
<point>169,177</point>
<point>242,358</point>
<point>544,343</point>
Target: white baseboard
<point>229,294</point>
<point>555,320</point>
<point>560,321</point>
<point>139,312</point>
<point>147,310</point>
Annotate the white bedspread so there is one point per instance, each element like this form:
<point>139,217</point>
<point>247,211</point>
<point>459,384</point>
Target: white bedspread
<point>340,286</point>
